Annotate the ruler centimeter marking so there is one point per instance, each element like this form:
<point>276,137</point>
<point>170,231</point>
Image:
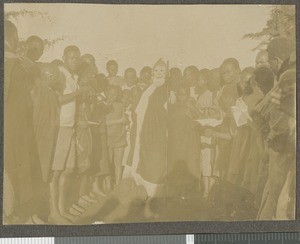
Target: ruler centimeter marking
<point>251,238</point>
<point>242,238</point>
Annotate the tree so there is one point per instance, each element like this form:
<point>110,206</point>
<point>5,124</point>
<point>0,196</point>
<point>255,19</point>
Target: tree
<point>282,23</point>
<point>15,15</point>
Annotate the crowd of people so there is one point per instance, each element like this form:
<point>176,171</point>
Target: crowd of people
<point>73,135</point>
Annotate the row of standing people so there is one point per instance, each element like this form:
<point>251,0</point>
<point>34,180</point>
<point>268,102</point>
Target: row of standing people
<point>166,128</point>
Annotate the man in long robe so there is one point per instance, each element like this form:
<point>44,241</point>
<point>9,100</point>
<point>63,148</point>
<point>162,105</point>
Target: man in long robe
<point>20,153</point>
<point>149,155</point>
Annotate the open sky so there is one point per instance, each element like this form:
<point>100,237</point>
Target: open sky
<point>138,35</point>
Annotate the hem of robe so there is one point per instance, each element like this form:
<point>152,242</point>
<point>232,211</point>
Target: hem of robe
<point>151,188</point>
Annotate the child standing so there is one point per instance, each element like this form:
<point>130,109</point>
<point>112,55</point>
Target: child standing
<point>116,130</point>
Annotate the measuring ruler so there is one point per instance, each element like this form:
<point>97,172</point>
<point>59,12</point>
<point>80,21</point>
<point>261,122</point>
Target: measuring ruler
<point>255,238</point>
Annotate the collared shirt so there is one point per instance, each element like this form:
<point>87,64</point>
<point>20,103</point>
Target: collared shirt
<point>67,111</point>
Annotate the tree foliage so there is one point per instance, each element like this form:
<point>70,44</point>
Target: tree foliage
<point>16,15</point>
<point>281,23</point>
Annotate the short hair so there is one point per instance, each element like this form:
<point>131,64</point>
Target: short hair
<point>34,39</point>
<point>130,70</point>
<point>280,47</point>
<point>146,69</point>
<point>57,62</point>
<point>9,30</point>
<point>88,56</point>
<point>204,73</point>
<point>249,70</point>
<point>71,48</point>
<point>191,68</point>
<point>110,63</point>
<point>46,67</point>
<point>214,77</point>
<point>233,61</point>
<point>264,77</point>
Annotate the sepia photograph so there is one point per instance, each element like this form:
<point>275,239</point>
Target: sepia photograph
<point>148,113</point>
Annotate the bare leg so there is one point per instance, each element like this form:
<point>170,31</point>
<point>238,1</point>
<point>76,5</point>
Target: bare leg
<point>108,179</point>
<point>206,187</point>
<point>64,187</point>
<point>118,158</point>
<point>55,215</point>
<point>83,184</point>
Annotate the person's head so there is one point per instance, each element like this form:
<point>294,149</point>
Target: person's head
<point>262,79</point>
<point>57,62</point>
<point>113,93</point>
<point>159,70</point>
<point>90,60</point>
<point>145,74</point>
<point>112,68</point>
<point>230,71</point>
<point>126,97</point>
<point>287,84</point>
<point>11,38</point>
<point>203,78</point>
<point>85,73</point>
<point>279,49</point>
<point>102,83</point>
<point>176,73</point>
<point>262,59</point>
<point>34,48</point>
<point>214,82</point>
<point>71,58</point>
<point>50,75</point>
<point>191,75</point>
<point>182,93</point>
<point>175,78</point>
<point>244,87</point>
<point>130,76</point>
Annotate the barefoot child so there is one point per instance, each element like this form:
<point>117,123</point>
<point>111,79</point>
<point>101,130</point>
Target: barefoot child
<point>116,130</point>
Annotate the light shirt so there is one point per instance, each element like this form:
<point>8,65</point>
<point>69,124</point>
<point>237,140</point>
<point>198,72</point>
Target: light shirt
<point>67,111</point>
<point>205,100</point>
<point>193,93</point>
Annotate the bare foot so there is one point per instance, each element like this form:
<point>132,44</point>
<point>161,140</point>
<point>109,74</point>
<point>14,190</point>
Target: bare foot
<point>89,199</point>
<point>92,195</point>
<point>74,212</point>
<point>69,216</point>
<point>83,203</point>
<point>78,208</point>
